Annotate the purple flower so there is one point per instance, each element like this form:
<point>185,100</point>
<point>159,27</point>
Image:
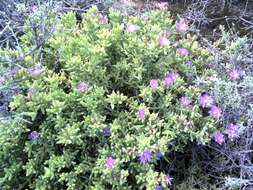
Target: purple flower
<point>169,78</point>
<point>168,179</point>
<point>188,63</point>
<point>33,135</point>
<point>232,131</point>
<point>106,131</point>
<point>215,112</point>
<point>234,74</point>
<point>37,70</point>
<point>185,102</point>
<point>132,28</point>
<point>141,113</point>
<point>158,154</point>
<point>181,26</point>
<point>158,187</point>
<point>110,162</point>
<point>168,81</point>
<point>172,75</point>
<point>103,19</point>
<point>82,87</point>
<point>153,84</point>
<point>218,137</point>
<point>183,51</point>
<point>145,18</point>
<point>206,100</point>
<point>145,156</point>
<point>163,41</point>
<point>12,71</point>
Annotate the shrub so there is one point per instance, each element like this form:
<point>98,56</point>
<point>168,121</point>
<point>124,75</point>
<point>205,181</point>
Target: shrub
<point>225,164</point>
<point>108,98</point>
<point>232,87</point>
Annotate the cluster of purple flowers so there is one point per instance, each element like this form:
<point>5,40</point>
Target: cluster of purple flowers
<point>218,137</point>
<point>145,156</point>
<point>167,81</point>
<point>207,101</point>
<point>232,130</point>
<point>185,102</point>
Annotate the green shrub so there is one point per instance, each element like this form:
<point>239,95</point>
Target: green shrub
<point>90,102</point>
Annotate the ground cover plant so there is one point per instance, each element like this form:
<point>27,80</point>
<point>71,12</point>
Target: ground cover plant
<point>111,97</point>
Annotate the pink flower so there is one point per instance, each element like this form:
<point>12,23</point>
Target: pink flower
<point>146,18</point>
<point>215,112</point>
<point>82,87</point>
<point>185,102</point>
<point>206,100</point>
<point>141,113</point>
<point>168,81</point>
<point>163,41</point>
<point>234,74</point>
<point>183,51</point>
<point>132,28</point>
<point>181,26</point>
<point>153,84</point>
<point>218,137</point>
<point>110,162</point>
